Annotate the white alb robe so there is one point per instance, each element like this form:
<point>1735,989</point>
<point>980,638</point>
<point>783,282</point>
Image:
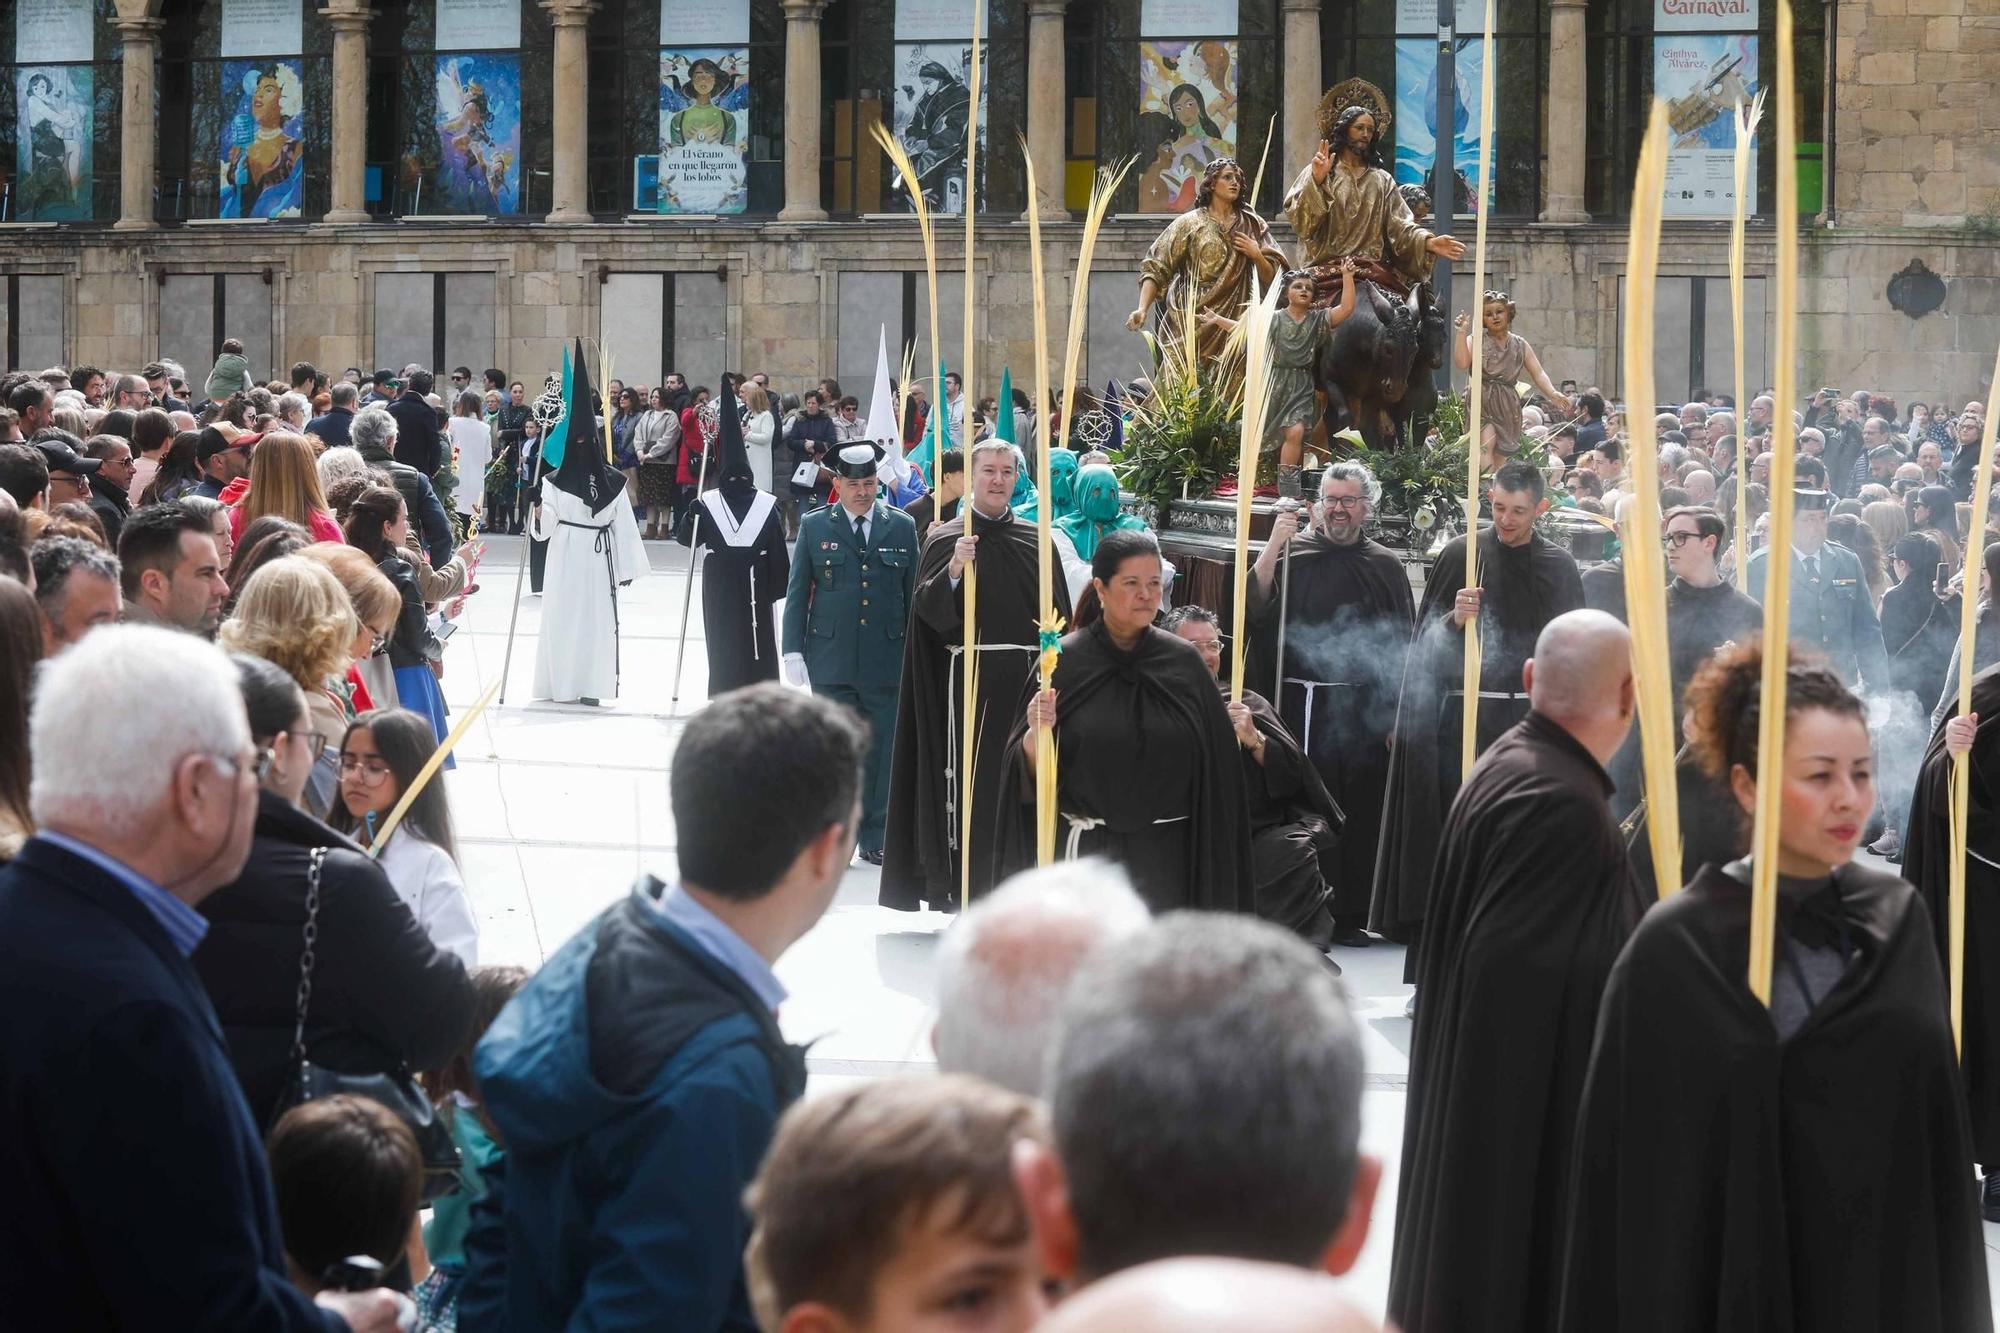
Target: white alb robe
<point>576,656</point>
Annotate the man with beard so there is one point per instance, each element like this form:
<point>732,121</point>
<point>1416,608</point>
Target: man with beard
<point>1534,898</point>
<point>1213,249</point>
<point>1344,204</point>
<point>922,855</point>
<point>1292,816</point>
<point>1525,582</point>
<point>1348,610</point>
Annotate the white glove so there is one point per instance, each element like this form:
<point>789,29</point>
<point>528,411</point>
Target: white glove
<point>795,671</point>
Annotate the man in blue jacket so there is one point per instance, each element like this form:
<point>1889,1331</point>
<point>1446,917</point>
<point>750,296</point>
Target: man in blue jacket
<point>637,1078</point>
<point>135,1185</point>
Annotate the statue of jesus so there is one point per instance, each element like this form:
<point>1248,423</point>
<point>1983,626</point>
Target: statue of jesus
<point>1345,205</point>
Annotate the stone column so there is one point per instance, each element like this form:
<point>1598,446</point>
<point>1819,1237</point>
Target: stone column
<point>350,111</point>
<point>571,150</point>
<point>1303,88</point>
<point>137,122</point>
<point>1565,106</point>
<point>802,112</point>
<point>1048,98</point>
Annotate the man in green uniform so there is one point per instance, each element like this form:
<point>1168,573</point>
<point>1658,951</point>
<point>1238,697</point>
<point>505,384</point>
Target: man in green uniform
<point>847,605</point>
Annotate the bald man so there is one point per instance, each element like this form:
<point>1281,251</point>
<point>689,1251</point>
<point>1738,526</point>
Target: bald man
<point>1533,898</point>
<point>1202,1295</point>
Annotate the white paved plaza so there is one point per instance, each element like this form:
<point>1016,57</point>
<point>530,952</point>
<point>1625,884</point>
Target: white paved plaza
<point>559,807</point>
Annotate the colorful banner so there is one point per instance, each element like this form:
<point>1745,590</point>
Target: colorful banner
<point>1415,129</point>
<point>1187,119</point>
<point>260,28</point>
<point>52,143</point>
<point>1704,15</point>
<point>1703,78</point>
<point>478,25</point>
<point>686,24</point>
<point>1187,18</point>
<point>932,110</point>
<point>704,130</point>
<point>52,31</point>
<point>479,135</point>
<point>262,152</point>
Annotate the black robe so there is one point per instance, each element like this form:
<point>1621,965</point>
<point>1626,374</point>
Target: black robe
<point>1525,587</point>
<point>1927,864</point>
<point>1348,618</point>
<point>1144,745</point>
<point>1294,822</point>
<point>1699,622</point>
<point>739,583</point>
<point>921,855</point>
<point>1729,1182</point>
<point>1533,900</point>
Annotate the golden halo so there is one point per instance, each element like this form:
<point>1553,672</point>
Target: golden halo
<point>1353,92</point>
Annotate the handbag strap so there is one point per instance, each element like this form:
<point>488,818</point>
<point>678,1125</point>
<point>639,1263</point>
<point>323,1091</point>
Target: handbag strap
<point>314,860</point>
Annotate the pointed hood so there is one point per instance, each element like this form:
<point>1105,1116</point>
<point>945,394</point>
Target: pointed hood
<point>1003,408</point>
<point>1114,408</point>
<point>882,428</point>
<point>575,450</point>
<point>732,473</point>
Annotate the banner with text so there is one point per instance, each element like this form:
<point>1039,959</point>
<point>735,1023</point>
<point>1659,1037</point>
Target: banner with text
<point>1187,119</point>
<point>52,31</point>
<point>262,154</point>
<point>52,143</point>
<point>1704,15</point>
<point>1703,78</point>
<point>940,20</point>
<point>478,25</point>
<point>685,24</point>
<point>479,135</point>
<point>1187,18</point>
<point>1415,16</point>
<point>261,28</point>
<point>704,130</point>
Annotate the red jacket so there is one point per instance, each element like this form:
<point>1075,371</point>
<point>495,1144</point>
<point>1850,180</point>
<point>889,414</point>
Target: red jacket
<point>695,440</point>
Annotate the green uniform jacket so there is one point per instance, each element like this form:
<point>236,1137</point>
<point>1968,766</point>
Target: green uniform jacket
<point>846,609</point>
<point>1834,617</point>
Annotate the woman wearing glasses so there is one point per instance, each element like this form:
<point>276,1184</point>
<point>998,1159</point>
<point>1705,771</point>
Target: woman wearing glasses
<point>380,758</point>
<point>383,996</point>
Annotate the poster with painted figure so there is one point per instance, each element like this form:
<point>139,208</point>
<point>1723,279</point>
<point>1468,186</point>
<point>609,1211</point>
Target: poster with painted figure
<point>1416,126</point>
<point>261,158</point>
<point>52,145</point>
<point>1702,79</point>
<point>704,130</point>
<point>933,110</point>
<point>1187,118</point>
<point>479,135</point>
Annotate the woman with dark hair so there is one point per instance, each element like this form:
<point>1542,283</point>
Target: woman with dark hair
<point>1935,510</point>
<point>1797,1161</point>
<point>656,441</point>
<point>1147,761</point>
<point>380,758</point>
<point>379,526</point>
<point>180,471</point>
<point>624,420</point>
<point>1919,622</point>
<point>1985,638</point>
<point>266,539</point>
<point>20,653</point>
<point>384,997</point>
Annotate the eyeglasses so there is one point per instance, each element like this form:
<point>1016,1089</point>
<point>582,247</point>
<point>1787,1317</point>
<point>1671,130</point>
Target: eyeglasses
<point>1676,540</point>
<point>314,742</point>
<point>370,772</point>
<point>1342,501</point>
<point>260,763</point>
<point>80,483</point>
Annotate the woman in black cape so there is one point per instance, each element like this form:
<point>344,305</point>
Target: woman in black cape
<point>1797,1167</point>
<point>1147,769</point>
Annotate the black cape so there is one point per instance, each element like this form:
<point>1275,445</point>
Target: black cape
<point>1141,737</point>
<point>738,586</point>
<point>920,855</point>
<point>1604,588</point>
<point>1294,823</point>
<point>1533,900</point>
<point>1918,632</point>
<point>1727,1182</point>
<point>1525,588</point>
<point>1348,619</point>
<point>1927,864</point>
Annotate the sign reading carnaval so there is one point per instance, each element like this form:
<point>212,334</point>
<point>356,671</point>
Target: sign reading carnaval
<point>691,23</point>
<point>1702,78</point>
<point>932,113</point>
<point>478,25</point>
<point>52,143</point>
<point>260,28</point>
<point>1417,113</point>
<point>1187,18</point>
<point>1704,16</point>
<point>479,135</point>
<point>704,129</point>
<point>261,150</point>
<point>50,31</point>
<point>1187,119</point>
<point>940,20</point>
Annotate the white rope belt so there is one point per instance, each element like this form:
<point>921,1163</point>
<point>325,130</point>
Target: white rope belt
<point>951,728</point>
<point>1313,687</point>
<point>1082,824</point>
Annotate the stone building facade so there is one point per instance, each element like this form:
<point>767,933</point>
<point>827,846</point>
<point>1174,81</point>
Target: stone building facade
<point>1912,173</point>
